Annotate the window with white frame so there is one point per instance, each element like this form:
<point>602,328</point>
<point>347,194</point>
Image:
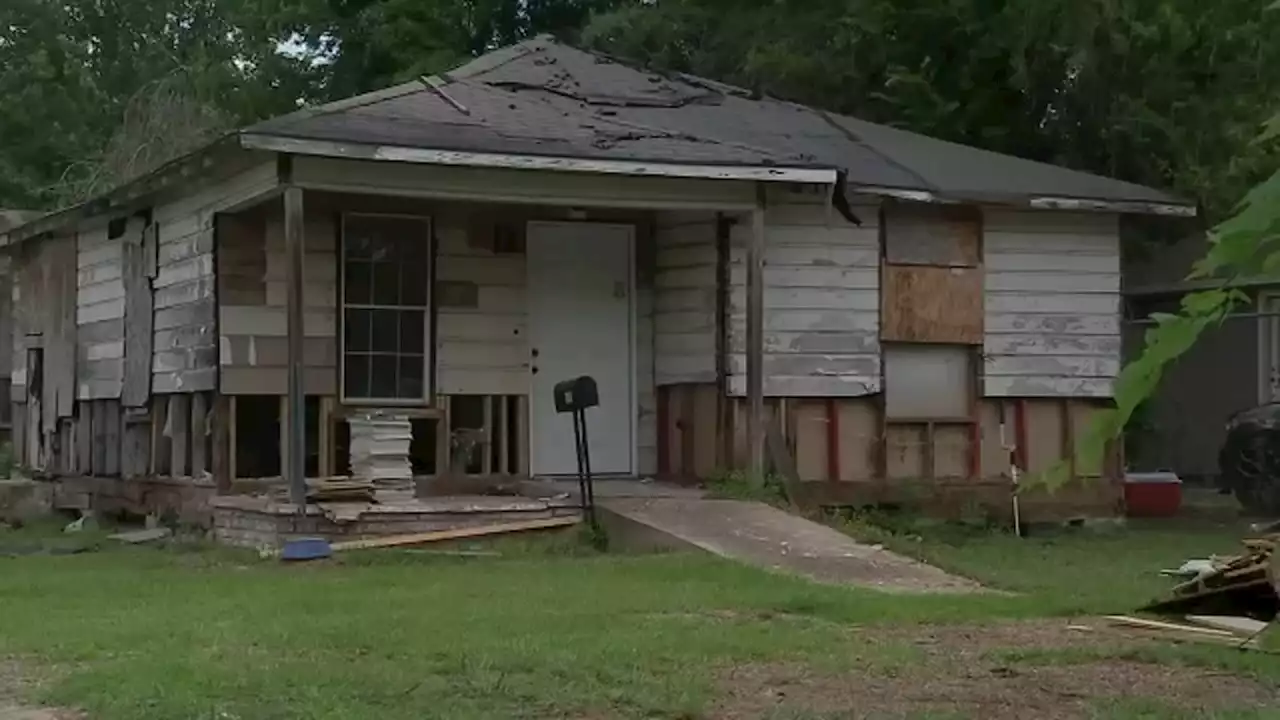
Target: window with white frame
<point>386,309</point>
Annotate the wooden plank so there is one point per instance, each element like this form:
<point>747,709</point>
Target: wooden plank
<point>111,438</point>
<point>502,436</point>
<point>457,534</point>
<point>444,431</point>
<point>222,463</point>
<point>1157,625</point>
<point>84,437</point>
<point>135,443</point>
<point>185,381</point>
<point>178,423</point>
<point>755,342</point>
<point>325,436</point>
<point>931,304</point>
<point>98,459</point>
<point>522,434</point>
<point>199,434</point>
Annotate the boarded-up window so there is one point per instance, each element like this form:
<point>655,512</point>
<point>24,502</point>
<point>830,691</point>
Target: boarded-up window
<point>932,304</point>
<point>932,289</point>
<point>386,292</point>
<point>928,382</point>
<point>941,235</point>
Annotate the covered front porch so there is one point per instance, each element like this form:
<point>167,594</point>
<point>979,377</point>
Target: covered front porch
<point>454,299</point>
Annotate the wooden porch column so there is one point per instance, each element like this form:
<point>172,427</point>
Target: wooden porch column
<point>755,342</point>
<point>294,453</point>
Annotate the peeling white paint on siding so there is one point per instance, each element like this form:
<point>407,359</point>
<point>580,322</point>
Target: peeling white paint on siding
<point>821,300</point>
<point>684,298</point>
<point>1052,304</point>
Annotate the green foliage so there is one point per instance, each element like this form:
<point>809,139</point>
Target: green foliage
<point>1162,92</point>
<point>70,70</point>
<point>736,485</point>
<point>383,42</point>
<point>1246,245</point>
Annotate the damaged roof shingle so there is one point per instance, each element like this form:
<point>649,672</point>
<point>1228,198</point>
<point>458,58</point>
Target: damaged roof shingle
<point>541,97</point>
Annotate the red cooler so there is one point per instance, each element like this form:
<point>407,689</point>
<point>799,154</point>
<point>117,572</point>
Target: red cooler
<point>1152,495</point>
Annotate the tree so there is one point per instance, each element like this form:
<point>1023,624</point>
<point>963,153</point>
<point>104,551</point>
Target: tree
<point>71,69</point>
<point>378,43</point>
<point>1245,245</point>
<point>1161,92</point>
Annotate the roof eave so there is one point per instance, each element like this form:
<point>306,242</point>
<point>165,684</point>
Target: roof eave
<point>459,158</point>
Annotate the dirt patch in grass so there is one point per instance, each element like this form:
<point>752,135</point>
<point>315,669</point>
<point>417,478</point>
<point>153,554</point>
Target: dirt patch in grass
<point>962,675</point>
<point>14,684</point>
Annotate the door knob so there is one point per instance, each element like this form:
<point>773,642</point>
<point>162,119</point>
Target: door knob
<point>535,352</point>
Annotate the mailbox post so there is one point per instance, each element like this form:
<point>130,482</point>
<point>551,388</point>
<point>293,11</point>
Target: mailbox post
<point>574,397</point>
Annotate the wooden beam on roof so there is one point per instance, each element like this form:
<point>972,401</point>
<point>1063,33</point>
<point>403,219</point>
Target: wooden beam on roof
<point>1116,206</point>
<point>395,153</point>
<point>755,341</point>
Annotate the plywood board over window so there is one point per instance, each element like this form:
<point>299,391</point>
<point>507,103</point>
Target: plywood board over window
<point>932,304</point>
<point>932,276</point>
<point>939,235</point>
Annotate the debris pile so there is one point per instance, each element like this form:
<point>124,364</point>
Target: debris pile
<point>1230,600</point>
<point>380,449</point>
<point>1240,585</point>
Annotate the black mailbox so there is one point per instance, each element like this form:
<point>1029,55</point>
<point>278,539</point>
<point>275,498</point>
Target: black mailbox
<point>577,394</point>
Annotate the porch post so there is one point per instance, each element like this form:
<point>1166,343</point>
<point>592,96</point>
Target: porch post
<point>295,452</point>
<point>755,341</point>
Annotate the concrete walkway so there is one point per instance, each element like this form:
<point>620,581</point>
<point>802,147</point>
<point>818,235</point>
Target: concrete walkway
<point>767,537</point>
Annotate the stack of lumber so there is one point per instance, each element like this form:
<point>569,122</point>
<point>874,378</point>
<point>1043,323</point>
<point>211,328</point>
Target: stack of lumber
<point>1235,631</point>
<point>380,448</point>
<point>332,490</point>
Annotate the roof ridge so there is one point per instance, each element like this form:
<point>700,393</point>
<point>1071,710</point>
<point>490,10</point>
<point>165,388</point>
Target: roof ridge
<point>828,119</point>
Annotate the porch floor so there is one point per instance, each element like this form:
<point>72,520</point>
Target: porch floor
<point>264,522</point>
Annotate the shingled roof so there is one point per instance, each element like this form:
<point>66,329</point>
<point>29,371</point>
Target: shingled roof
<point>544,98</point>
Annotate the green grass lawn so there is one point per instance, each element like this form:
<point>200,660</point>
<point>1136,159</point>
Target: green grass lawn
<point>141,633</point>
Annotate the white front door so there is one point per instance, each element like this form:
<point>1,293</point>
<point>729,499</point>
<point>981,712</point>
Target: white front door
<point>581,319</point>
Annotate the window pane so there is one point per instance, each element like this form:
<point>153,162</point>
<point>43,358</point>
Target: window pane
<point>356,381</point>
<point>356,283</point>
<point>385,330</point>
<point>386,283</point>
<point>412,331</point>
<point>356,329</point>
<point>413,272</point>
<point>384,376</point>
<point>411,376</point>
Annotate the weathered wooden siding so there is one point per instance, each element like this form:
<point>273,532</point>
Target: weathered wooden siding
<point>1052,304</point>
<point>821,300</point>
<point>185,348</point>
<point>100,305</point>
<point>253,320</point>
<point>44,302</point>
<point>685,298</point>
<point>646,387</point>
<point>481,348</point>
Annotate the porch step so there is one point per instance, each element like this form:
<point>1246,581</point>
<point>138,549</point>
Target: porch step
<point>764,536</point>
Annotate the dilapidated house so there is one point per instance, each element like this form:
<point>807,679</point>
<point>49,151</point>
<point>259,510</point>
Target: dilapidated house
<point>911,315</point>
